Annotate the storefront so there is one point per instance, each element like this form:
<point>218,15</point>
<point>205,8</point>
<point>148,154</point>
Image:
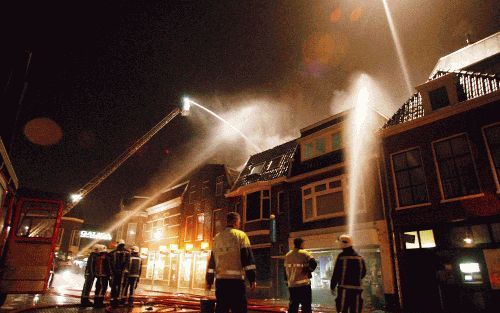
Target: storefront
<point>371,242</point>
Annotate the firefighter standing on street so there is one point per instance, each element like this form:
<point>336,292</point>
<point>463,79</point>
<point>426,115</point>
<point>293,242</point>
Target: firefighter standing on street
<point>348,272</point>
<point>299,264</point>
<point>89,276</point>
<point>119,259</point>
<point>102,272</point>
<point>230,261</point>
<point>133,274</point>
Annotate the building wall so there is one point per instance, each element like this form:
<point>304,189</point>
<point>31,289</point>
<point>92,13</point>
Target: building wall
<point>69,237</point>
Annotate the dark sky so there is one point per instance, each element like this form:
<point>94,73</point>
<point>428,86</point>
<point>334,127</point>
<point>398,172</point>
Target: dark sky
<point>105,72</point>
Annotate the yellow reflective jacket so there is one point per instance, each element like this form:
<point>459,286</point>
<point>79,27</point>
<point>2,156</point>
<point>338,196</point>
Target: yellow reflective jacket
<point>231,257</point>
<point>298,267</point>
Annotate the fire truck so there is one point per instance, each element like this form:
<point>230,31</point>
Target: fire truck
<point>29,223</point>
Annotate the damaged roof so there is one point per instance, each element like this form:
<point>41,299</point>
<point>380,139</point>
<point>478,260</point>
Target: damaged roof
<point>268,165</point>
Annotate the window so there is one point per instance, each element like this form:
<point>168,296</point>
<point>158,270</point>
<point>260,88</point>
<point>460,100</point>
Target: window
<point>257,169</point>
<point>468,236</point>
<point>492,136</point>
<point>193,195</point>
<point>131,232</point>
<point>323,199</point>
<point>188,233</point>
<point>336,141</point>
<point>218,222</point>
<point>495,231</point>
<point>200,224</point>
<point>205,190</point>
<point>419,239</point>
<point>308,150</point>
<point>37,220</point>
<point>219,185</point>
<point>274,163</point>
<point>320,146</point>
<point>409,178</point>
<point>75,238</point>
<point>439,98</point>
<point>258,205</point>
<point>455,167</point>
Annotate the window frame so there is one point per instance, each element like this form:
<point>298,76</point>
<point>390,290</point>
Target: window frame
<point>262,197</point>
<point>213,233</point>
<point>278,201</point>
<point>438,171</point>
<point>490,156</point>
<point>394,180</point>
<point>198,225</point>
<point>343,188</point>
<point>75,233</point>
<point>419,238</point>
<point>205,189</point>
<point>128,239</point>
<point>186,227</point>
<point>219,180</point>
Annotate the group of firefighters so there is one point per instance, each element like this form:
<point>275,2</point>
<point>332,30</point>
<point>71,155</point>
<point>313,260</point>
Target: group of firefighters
<point>119,268</point>
<point>230,262</point>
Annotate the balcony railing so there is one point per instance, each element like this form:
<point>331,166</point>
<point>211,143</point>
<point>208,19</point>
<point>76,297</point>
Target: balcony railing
<point>469,86</point>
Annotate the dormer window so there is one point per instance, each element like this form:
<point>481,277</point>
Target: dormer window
<point>274,163</point>
<point>439,98</point>
<point>257,169</point>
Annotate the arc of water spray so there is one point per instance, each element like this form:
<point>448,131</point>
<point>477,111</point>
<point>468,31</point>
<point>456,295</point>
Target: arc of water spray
<point>399,49</point>
<point>256,147</point>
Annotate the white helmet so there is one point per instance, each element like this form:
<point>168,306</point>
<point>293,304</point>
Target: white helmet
<point>135,249</point>
<point>103,248</point>
<point>345,241</point>
<point>96,248</point>
<point>120,242</point>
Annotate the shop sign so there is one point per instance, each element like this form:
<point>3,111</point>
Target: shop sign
<point>95,235</point>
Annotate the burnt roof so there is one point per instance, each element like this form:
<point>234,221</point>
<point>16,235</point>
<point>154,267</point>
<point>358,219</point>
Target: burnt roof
<point>469,85</point>
<point>283,154</point>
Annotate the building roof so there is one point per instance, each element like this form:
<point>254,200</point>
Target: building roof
<point>469,86</point>
<point>469,55</point>
<point>268,165</point>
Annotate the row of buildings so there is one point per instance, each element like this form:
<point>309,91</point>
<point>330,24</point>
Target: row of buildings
<point>427,219</point>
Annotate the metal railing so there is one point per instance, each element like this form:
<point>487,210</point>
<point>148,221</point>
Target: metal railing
<point>469,85</point>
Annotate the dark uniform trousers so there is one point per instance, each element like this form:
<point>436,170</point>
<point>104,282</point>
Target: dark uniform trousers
<point>349,300</point>
<point>87,286</point>
<point>130,287</point>
<point>231,295</point>
<point>100,289</point>
<point>117,286</point>
<point>300,295</point>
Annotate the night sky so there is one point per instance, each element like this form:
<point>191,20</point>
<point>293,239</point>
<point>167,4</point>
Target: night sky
<point>103,73</point>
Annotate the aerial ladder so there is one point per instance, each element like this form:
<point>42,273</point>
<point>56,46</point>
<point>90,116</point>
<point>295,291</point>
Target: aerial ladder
<point>116,163</point>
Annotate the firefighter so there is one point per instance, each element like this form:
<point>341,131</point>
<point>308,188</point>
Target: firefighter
<point>119,259</point>
<point>230,261</point>
<point>348,272</point>
<point>102,272</point>
<point>299,264</point>
<point>89,276</point>
<point>134,270</point>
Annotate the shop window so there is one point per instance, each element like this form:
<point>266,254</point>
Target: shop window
<point>258,205</point>
<point>409,178</point>
<point>456,168</point>
<point>323,199</point>
<point>439,98</point>
<point>419,239</point>
<point>185,270</point>
<point>468,236</point>
<point>492,135</point>
<point>219,185</point>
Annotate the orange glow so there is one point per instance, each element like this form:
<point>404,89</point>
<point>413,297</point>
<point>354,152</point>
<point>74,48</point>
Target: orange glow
<point>319,48</point>
<point>356,14</point>
<point>189,246</point>
<point>336,15</point>
<point>174,247</point>
<point>43,131</point>
<point>204,245</point>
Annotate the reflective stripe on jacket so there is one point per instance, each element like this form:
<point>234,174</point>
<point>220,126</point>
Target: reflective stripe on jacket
<point>349,270</point>
<point>297,267</point>
<point>134,266</point>
<point>231,257</point>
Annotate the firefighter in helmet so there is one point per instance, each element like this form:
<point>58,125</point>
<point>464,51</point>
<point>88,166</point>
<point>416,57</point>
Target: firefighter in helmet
<point>102,272</point>
<point>89,276</point>
<point>348,272</point>
<point>119,259</point>
<point>230,261</point>
<point>299,264</point>
<point>133,274</point>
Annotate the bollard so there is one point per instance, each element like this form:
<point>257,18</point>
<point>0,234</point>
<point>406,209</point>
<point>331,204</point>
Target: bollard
<point>207,306</point>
